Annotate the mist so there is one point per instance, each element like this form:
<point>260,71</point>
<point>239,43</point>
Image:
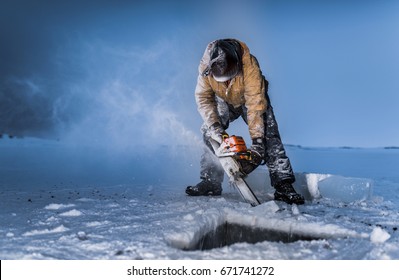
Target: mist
<point>108,92</point>
<point>98,77</point>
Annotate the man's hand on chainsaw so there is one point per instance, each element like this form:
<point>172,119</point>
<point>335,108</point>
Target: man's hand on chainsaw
<point>217,132</point>
<point>257,151</point>
<point>256,154</point>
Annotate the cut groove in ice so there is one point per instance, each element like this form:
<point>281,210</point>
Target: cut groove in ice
<point>229,233</point>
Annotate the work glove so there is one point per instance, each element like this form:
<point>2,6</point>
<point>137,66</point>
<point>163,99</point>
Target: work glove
<point>257,151</point>
<point>217,133</point>
<point>256,156</point>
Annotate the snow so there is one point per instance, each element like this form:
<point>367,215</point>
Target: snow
<point>57,229</point>
<point>379,235</point>
<point>68,202</point>
<point>55,206</point>
<point>71,213</point>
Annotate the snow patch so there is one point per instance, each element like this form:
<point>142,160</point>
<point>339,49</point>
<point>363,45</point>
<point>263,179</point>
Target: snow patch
<point>55,206</point>
<point>96,223</point>
<point>85,199</point>
<point>378,235</point>
<point>71,213</point>
<point>188,217</point>
<point>295,210</point>
<point>268,207</point>
<point>58,229</point>
<point>52,219</point>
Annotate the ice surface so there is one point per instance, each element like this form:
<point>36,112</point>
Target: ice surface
<point>59,202</point>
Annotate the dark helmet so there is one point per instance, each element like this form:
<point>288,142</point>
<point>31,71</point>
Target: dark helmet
<point>225,60</point>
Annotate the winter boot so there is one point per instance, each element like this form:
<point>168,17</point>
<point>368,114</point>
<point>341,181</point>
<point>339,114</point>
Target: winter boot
<point>286,192</point>
<point>205,187</point>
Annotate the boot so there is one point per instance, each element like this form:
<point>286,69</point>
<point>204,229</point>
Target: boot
<point>205,187</point>
<point>286,193</point>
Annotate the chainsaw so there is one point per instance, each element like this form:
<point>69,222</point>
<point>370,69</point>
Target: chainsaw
<point>233,146</point>
<point>232,153</point>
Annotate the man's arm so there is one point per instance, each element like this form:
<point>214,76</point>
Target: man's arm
<point>204,95</point>
<point>206,101</point>
<point>255,99</point>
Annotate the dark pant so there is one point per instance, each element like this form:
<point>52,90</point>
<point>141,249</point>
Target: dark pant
<point>278,163</point>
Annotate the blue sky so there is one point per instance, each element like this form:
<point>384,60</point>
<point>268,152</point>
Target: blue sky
<point>122,69</point>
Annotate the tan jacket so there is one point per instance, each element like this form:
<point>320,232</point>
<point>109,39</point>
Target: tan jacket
<point>247,88</point>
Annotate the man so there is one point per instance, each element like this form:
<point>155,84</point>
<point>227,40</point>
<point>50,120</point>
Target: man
<point>230,84</point>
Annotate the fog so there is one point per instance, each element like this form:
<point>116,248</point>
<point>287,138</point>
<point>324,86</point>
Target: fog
<point>95,77</point>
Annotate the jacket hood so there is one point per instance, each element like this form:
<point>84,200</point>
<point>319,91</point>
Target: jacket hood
<point>225,60</point>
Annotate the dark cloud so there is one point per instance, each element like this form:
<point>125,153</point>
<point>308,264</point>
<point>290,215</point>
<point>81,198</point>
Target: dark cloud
<point>24,110</point>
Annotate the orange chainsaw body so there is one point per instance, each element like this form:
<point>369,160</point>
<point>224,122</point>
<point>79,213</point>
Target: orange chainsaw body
<point>236,145</point>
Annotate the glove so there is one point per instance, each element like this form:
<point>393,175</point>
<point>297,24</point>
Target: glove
<point>217,133</point>
<point>256,156</point>
<point>257,151</point>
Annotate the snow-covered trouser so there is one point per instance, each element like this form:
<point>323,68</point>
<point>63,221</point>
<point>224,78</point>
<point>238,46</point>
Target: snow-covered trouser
<point>276,160</point>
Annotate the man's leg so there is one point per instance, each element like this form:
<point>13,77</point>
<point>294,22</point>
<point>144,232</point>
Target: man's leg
<point>275,157</point>
<point>211,171</point>
<point>210,168</point>
<point>280,169</point>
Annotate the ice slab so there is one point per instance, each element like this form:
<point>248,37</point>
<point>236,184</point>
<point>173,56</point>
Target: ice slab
<point>346,189</point>
<point>315,185</point>
<point>335,187</point>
